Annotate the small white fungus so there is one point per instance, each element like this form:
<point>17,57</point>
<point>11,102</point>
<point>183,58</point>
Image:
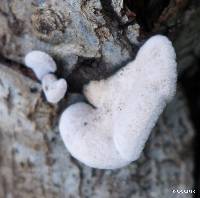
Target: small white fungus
<point>54,89</point>
<point>41,63</point>
<point>128,105</point>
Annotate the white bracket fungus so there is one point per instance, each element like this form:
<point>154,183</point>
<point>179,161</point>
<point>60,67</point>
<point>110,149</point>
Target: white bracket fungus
<point>54,89</point>
<point>128,105</point>
<point>43,65</point>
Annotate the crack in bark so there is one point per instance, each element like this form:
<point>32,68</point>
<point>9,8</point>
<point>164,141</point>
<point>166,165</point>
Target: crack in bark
<point>191,84</point>
<point>17,67</point>
<point>76,163</point>
<point>114,24</point>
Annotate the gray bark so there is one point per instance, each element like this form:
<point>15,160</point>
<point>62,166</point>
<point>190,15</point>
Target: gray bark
<point>35,163</point>
<point>85,39</point>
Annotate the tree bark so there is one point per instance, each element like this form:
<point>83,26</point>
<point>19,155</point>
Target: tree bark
<point>88,42</point>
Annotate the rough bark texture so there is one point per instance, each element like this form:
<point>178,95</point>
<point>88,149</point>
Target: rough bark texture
<point>35,163</point>
<point>88,42</point>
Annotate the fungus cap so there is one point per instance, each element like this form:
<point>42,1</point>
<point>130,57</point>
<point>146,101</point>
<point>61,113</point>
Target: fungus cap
<point>54,89</point>
<point>40,62</point>
<point>128,105</point>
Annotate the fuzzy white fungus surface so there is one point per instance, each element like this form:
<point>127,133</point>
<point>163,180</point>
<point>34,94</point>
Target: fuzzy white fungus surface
<point>54,89</point>
<point>128,105</point>
<point>41,63</point>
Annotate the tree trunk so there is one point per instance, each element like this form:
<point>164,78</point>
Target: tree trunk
<point>88,41</point>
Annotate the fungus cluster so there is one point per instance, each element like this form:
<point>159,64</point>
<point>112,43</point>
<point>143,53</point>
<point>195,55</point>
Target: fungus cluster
<point>127,106</point>
<point>43,66</point>
<point>111,131</point>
